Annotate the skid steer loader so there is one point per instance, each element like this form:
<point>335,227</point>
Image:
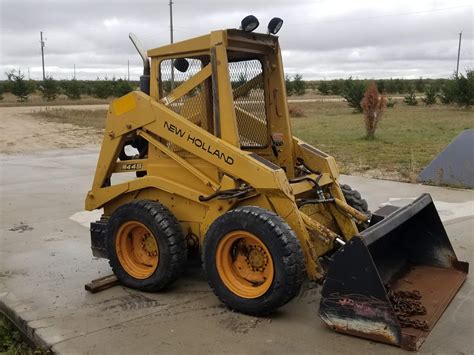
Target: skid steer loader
<point>202,160</point>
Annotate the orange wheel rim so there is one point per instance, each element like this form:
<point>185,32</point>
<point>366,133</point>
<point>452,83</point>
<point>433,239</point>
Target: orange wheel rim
<point>244,264</point>
<point>137,249</point>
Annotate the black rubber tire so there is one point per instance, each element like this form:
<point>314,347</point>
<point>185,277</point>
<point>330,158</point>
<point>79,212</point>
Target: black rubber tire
<point>355,200</point>
<point>283,246</point>
<point>168,235</point>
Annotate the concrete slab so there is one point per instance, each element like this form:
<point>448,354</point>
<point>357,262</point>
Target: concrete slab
<point>45,261</point>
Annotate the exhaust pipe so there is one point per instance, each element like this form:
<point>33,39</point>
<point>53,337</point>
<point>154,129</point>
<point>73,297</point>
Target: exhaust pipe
<point>145,78</point>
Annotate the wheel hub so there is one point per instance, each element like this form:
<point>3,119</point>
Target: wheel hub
<point>149,245</point>
<point>256,258</point>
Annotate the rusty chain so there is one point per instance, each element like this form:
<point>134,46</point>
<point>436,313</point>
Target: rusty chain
<point>407,304</point>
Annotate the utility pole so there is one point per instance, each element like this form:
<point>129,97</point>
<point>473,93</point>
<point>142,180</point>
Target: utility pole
<point>171,40</point>
<point>459,53</point>
<point>42,53</point>
<point>29,78</point>
<point>128,69</point>
<point>74,77</point>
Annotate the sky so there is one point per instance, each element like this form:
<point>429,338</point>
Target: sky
<point>320,39</point>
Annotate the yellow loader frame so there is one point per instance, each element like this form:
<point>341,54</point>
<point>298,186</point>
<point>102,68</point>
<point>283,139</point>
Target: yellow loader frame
<point>217,163</point>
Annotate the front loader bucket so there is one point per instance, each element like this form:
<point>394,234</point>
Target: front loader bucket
<point>408,250</point>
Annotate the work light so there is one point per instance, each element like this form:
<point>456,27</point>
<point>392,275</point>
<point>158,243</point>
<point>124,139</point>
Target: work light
<point>249,23</point>
<point>275,25</point>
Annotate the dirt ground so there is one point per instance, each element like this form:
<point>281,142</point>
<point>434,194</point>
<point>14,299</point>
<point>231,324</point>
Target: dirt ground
<point>22,132</point>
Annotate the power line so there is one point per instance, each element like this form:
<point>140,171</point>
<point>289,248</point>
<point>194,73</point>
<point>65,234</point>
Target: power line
<point>382,16</point>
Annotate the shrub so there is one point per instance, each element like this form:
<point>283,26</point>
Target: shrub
<point>241,80</point>
<point>353,93</point>
<point>419,85</point>
<point>50,89</point>
<point>430,95</point>
<point>1,91</point>
<point>296,111</point>
<point>337,87</point>
<point>391,102</point>
<point>373,105</point>
<point>289,85</point>
<point>102,88</point>
<point>324,88</point>
<point>72,89</point>
<point>410,98</point>
<point>122,87</point>
<point>299,86</point>
<point>19,86</point>
<point>465,89</point>
<point>459,90</point>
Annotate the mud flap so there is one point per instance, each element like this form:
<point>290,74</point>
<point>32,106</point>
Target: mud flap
<point>405,251</point>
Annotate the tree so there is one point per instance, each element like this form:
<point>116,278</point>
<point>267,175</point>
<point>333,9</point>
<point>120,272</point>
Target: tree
<point>102,88</point>
<point>430,95</point>
<point>381,86</point>
<point>122,87</point>
<point>410,98</point>
<point>465,89</point>
<point>337,87</point>
<point>72,89</point>
<point>50,89</point>
<point>323,88</point>
<point>289,85</point>
<point>1,91</point>
<point>353,92</point>
<point>373,106</point>
<point>420,85</point>
<point>299,86</point>
<point>459,90</point>
<point>241,80</point>
<point>19,86</point>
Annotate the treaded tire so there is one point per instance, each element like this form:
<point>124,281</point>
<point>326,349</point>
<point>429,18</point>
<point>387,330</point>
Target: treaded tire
<point>281,242</point>
<point>355,200</point>
<point>168,236</point>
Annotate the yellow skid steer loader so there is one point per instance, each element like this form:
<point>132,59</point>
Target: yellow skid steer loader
<point>202,159</point>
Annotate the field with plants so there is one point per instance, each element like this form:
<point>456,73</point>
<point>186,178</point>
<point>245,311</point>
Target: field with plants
<point>407,138</point>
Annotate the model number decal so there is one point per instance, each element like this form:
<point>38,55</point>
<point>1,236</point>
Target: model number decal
<point>199,143</point>
<point>132,166</point>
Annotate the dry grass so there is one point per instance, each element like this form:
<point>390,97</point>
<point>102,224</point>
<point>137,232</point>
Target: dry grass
<point>81,118</point>
<point>407,138</point>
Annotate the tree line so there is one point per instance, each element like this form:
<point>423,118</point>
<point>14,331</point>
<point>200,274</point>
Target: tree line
<point>459,89</point>
<point>74,89</point>
<point>455,90</point>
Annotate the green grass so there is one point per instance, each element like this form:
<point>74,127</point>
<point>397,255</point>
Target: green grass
<point>11,340</point>
<point>407,137</point>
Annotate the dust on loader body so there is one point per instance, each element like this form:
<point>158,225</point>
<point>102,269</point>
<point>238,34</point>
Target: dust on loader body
<point>216,172</point>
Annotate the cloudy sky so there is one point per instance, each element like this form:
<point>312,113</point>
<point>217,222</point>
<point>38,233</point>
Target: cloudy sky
<point>322,39</point>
